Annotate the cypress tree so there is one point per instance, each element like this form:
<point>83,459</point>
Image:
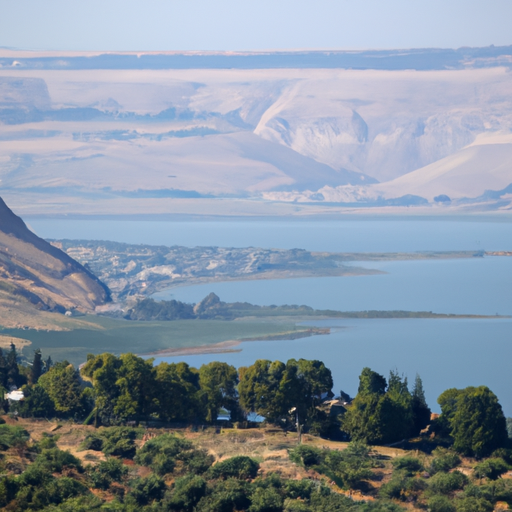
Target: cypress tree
<point>3,369</point>
<point>13,372</point>
<point>48,364</point>
<point>37,367</point>
<point>420,410</point>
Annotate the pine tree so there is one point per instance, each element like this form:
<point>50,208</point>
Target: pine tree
<point>37,367</point>
<point>48,364</point>
<point>13,372</point>
<point>420,410</point>
<point>3,370</point>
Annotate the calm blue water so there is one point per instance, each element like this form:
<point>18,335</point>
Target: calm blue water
<point>472,286</point>
<point>446,353</point>
<point>363,235</point>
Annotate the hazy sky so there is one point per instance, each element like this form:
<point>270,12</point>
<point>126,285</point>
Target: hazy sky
<point>252,24</point>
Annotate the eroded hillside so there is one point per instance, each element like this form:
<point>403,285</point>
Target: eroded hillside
<point>37,277</point>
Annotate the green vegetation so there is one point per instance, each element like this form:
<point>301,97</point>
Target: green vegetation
<point>459,469</point>
<point>118,336</point>
<point>274,390</point>
<point>212,308</point>
<point>475,420</point>
<point>386,412</point>
<point>349,468</point>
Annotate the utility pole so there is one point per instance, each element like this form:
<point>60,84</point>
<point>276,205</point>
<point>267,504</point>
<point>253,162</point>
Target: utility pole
<point>299,433</point>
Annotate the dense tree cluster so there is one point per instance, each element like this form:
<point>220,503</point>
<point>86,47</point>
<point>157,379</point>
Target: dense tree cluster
<point>110,390</point>
<point>385,412</point>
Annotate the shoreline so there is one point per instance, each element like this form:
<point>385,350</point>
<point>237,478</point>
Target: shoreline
<point>267,276</point>
<point>224,347</point>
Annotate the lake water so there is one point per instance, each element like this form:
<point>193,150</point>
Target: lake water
<point>446,353</point>
<point>472,286</point>
<point>363,235</point>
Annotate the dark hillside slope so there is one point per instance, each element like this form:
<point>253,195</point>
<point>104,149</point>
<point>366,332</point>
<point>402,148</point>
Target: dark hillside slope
<point>33,270</point>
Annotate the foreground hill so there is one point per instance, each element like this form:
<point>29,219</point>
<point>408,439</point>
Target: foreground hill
<point>35,276</point>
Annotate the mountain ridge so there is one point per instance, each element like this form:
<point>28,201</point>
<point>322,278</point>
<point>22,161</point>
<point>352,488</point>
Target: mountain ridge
<point>41,276</point>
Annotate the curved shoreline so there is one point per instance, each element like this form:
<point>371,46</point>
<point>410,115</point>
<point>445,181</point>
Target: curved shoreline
<point>227,346</point>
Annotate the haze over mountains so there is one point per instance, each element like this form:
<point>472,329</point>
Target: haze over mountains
<point>256,133</point>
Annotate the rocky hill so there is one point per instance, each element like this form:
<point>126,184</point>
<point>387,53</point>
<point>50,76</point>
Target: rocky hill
<point>35,275</point>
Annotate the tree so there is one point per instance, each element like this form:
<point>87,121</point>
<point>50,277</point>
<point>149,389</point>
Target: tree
<point>136,384</point>
<point>13,372</point>
<point>305,384</point>
<point>62,383</point>
<point>361,420</point>
<point>103,370</point>
<point>448,402</point>
<point>218,383</point>
<point>260,391</point>
<point>371,382</point>
<point>177,392</point>
<point>37,403</point>
<point>37,367</point>
<point>420,410</point>
<point>478,424</point>
<point>395,410</point>
<point>3,370</point>
<point>378,415</point>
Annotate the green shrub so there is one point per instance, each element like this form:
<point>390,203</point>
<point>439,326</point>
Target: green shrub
<point>299,489</point>
<point>445,483</point>
<point>440,504</point>
<point>166,453</point>
<point>501,490</point>
<point>294,505</point>
<point>410,465</point>
<point>40,489</point>
<point>470,504</point>
<point>144,491</point>
<point>81,504</point>
<point>120,441</point>
<point>503,453</point>
<point>92,442</point>
<point>443,461</point>
<point>241,467</point>
<point>12,437</point>
<point>266,500</point>
<point>8,489</point>
<point>225,496</point>
<point>47,442</point>
<point>402,487</point>
<point>351,466</point>
<point>54,460</point>
<point>306,456</point>
<point>490,468</point>
<point>186,494</point>
<point>106,472</point>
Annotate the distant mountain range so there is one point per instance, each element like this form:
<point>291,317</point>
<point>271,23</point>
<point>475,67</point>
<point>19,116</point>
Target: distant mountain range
<point>419,59</point>
<point>262,133</point>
